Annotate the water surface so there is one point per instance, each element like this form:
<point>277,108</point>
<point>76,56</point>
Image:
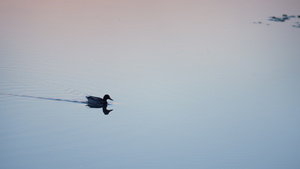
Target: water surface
<point>195,85</point>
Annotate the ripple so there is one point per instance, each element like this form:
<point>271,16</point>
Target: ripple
<point>22,82</point>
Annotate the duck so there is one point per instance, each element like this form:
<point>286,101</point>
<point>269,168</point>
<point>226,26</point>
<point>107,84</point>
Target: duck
<point>97,101</point>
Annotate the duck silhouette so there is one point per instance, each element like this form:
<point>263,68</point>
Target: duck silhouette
<point>92,100</point>
<point>97,102</point>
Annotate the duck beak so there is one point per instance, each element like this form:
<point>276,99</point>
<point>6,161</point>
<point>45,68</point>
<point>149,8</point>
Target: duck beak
<point>111,99</point>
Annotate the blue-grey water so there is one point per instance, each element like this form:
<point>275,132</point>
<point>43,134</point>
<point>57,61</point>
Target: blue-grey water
<point>189,91</point>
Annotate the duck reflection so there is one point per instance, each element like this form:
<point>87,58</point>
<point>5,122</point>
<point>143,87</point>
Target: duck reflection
<point>104,108</point>
<point>97,102</point>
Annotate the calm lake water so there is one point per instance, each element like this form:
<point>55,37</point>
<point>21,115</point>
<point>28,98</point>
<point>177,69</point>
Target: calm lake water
<point>195,85</point>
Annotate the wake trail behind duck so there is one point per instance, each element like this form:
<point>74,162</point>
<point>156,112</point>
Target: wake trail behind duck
<point>44,98</point>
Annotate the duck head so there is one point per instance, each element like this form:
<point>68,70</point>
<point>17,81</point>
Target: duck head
<point>107,97</point>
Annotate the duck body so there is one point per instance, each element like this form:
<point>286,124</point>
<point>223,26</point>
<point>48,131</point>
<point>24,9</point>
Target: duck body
<point>97,101</point>
<point>93,99</point>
